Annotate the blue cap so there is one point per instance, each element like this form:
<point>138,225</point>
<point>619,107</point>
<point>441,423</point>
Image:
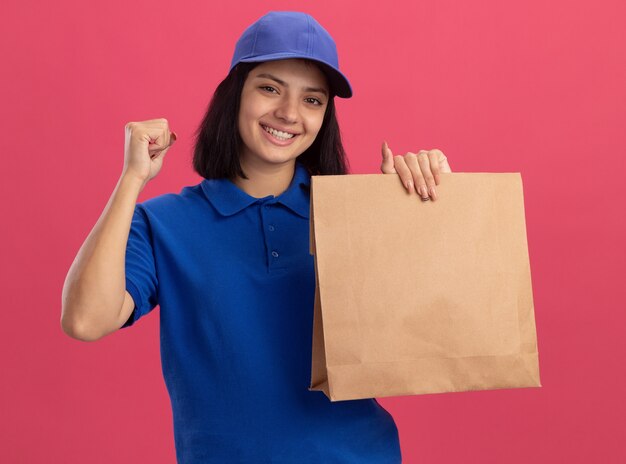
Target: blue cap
<point>279,35</point>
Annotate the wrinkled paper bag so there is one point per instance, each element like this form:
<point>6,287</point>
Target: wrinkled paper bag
<point>420,297</point>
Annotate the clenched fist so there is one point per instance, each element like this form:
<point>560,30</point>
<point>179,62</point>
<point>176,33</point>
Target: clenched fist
<point>145,146</point>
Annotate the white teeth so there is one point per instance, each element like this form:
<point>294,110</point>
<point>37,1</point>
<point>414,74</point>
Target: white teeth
<point>278,134</point>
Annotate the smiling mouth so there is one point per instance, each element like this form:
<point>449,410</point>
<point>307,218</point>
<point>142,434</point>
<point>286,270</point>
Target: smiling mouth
<point>279,135</point>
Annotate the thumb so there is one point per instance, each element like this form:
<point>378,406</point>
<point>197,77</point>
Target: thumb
<point>387,166</point>
<point>160,152</point>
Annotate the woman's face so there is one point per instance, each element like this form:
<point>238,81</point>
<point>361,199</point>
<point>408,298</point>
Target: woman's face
<point>286,95</point>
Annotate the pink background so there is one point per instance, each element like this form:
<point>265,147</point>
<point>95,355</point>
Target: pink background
<point>537,87</point>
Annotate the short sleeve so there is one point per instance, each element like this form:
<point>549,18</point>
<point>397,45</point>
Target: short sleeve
<point>140,268</point>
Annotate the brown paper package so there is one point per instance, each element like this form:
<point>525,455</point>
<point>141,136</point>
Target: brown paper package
<point>420,297</point>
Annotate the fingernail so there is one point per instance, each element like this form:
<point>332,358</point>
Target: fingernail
<point>433,194</point>
<point>409,186</point>
<point>423,191</point>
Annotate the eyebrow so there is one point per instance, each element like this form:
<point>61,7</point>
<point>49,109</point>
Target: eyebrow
<point>283,83</point>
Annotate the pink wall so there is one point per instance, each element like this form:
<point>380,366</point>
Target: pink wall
<point>534,87</point>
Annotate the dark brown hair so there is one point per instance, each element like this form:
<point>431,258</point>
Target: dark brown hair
<point>218,142</point>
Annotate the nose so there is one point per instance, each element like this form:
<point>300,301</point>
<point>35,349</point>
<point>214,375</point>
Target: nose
<point>287,110</point>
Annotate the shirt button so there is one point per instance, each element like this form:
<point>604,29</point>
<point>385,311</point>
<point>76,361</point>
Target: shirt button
<point>271,228</point>
<point>275,254</point>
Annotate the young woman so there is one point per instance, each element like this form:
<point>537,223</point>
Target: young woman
<point>227,260</point>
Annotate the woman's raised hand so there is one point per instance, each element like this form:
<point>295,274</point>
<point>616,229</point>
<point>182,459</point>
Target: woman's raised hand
<point>418,171</point>
<point>145,146</point>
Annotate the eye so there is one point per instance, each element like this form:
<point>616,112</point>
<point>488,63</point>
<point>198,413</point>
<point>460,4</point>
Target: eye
<point>315,99</point>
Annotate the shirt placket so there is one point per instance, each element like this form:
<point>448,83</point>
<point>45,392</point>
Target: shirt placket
<point>268,222</point>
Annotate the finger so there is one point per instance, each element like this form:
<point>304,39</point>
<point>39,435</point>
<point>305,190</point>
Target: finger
<point>445,167</point>
<point>387,166</point>
<point>442,161</point>
<point>410,160</point>
<point>429,180</point>
<point>172,139</point>
<point>159,153</point>
<point>169,138</point>
<point>404,173</point>
<point>433,162</point>
<point>160,142</point>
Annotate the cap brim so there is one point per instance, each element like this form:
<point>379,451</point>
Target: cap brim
<point>338,82</point>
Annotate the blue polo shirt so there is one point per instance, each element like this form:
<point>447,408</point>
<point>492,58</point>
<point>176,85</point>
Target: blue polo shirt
<point>235,284</point>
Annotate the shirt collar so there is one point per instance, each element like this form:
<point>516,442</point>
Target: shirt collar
<point>229,199</point>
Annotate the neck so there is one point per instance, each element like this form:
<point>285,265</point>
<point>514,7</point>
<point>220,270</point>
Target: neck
<point>265,179</point>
